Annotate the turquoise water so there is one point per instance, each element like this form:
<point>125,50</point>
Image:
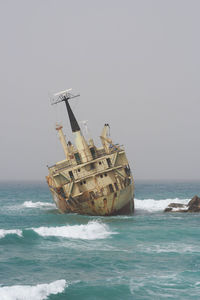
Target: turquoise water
<point>150,255</point>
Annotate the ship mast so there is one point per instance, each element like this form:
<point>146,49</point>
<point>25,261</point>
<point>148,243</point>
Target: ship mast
<point>81,144</point>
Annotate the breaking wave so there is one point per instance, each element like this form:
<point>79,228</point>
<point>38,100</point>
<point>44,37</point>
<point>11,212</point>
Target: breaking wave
<point>91,231</point>
<point>30,204</point>
<point>153,205</point>
<point>4,232</point>
<point>28,292</point>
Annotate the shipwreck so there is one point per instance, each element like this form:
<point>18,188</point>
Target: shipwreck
<point>90,180</point>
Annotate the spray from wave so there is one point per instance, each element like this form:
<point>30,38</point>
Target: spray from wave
<point>91,231</point>
<point>27,292</point>
<point>30,204</point>
<point>4,232</point>
<point>152,205</point>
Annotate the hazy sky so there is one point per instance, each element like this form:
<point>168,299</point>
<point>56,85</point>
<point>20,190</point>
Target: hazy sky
<point>136,65</point>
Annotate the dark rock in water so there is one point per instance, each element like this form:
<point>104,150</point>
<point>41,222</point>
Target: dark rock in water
<point>168,209</point>
<point>176,205</point>
<point>181,207</point>
<point>176,208</point>
<point>192,206</point>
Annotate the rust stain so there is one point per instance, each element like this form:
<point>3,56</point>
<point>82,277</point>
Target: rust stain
<point>113,201</point>
<point>92,206</point>
<point>105,205</point>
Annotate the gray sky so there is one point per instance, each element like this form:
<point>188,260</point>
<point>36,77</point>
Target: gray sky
<point>136,65</point>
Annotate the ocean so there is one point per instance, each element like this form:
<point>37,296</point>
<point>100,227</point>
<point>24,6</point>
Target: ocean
<point>149,255</point>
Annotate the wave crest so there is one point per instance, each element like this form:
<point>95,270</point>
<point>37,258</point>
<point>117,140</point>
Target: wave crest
<point>39,204</point>
<point>4,232</point>
<point>91,231</point>
<point>152,205</point>
<point>27,292</point>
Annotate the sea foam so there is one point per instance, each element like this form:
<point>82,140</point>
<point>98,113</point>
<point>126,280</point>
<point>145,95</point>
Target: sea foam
<point>28,292</point>
<point>171,248</point>
<point>4,232</point>
<point>91,231</point>
<point>30,204</point>
<point>152,205</point>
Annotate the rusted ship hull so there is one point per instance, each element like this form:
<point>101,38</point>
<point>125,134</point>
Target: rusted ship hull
<point>90,180</point>
<point>116,203</point>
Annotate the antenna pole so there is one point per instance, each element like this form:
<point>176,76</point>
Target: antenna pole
<point>74,124</point>
<point>65,96</point>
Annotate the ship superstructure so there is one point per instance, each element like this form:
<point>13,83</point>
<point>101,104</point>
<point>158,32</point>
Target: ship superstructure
<point>90,180</point>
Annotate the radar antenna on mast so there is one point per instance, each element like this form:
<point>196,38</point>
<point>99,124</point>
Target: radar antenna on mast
<point>62,96</point>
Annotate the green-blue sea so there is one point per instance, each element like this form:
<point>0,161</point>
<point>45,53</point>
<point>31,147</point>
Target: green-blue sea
<point>149,255</point>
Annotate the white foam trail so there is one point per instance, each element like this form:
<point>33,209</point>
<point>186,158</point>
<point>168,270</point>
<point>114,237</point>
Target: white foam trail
<point>153,205</point>
<point>30,204</point>
<point>4,232</point>
<point>28,292</point>
<point>172,247</point>
<point>91,231</point>
<point>185,207</point>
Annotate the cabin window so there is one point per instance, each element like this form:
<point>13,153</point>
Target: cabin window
<point>61,192</point>
<point>109,162</point>
<point>71,175</point>
<point>77,157</point>
<point>127,170</point>
<point>92,166</point>
<point>111,188</point>
<point>93,152</point>
<point>116,186</point>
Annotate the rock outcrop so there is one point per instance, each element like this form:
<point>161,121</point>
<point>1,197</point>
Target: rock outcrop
<point>192,206</point>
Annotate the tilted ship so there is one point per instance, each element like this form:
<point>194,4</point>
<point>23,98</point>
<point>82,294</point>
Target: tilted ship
<point>90,180</point>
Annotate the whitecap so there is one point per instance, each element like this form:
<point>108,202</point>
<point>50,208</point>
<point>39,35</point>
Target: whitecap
<point>91,231</point>
<point>152,205</point>
<point>28,292</point>
<point>4,232</point>
<point>185,207</point>
<point>30,204</point>
<point>171,248</point>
